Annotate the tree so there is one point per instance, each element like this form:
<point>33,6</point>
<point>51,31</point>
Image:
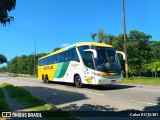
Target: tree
<point>13,65</point>
<point>155,49</point>
<point>139,51</point>
<point>55,49</point>
<point>155,66</point>
<point>3,59</point>
<point>110,39</point>
<point>5,7</point>
<point>3,69</point>
<point>24,64</point>
<point>103,38</point>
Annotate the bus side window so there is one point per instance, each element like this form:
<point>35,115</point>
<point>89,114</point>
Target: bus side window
<point>39,62</point>
<point>75,57</point>
<point>42,62</point>
<point>52,59</point>
<point>81,50</point>
<point>58,58</point>
<point>45,61</point>
<point>67,55</point>
<point>55,59</point>
<point>62,57</point>
<point>49,60</point>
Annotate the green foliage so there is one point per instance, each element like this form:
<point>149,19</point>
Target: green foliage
<point>55,49</point>
<point>22,95</point>
<point>3,59</point>
<point>143,54</point>
<point>23,64</point>
<point>155,50</point>
<point>3,69</point>
<point>3,104</point>
<point>5,7</point>
<point>138,49</point>
<point>155,67</point>
<point>102,37</point>
<point>139,52</point>
<point>142,81</point>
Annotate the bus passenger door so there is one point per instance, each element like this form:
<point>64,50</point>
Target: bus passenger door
<point>89,68</point>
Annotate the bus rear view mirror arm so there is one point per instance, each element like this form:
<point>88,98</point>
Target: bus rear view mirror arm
<point>122,53</point>
<point>93,51</point>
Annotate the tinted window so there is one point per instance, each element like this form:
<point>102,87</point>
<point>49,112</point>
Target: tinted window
<point>58,58</point>
<point>81,50</point>
<point>74,55</point>
<point>55,59</point>
<point>62,57</point>
<point>68,55</point>
<point>88,61</point>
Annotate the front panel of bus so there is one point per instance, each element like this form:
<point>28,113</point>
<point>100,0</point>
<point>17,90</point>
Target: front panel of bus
<point>105,69</point>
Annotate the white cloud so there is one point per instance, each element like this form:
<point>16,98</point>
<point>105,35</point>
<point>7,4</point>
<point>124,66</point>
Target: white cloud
<point>65,45</point>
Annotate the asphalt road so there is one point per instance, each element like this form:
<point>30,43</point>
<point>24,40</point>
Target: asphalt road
<point>90,98</point>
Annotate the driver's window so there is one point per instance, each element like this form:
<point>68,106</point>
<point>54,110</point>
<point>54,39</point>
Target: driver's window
<point>89,60</point>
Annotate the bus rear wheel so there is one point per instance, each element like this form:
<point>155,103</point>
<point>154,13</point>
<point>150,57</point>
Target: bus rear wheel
<point>78,81</point>
<point>43,79</point>
<point>46,79</point>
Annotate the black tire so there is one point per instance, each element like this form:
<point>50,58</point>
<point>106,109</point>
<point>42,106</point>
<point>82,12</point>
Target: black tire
<point>99,86</point>
<point>77,81</point>
<point>43,79</point>
<point>46,79</point>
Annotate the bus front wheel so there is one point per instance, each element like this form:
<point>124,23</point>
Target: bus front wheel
<point>77,81</point>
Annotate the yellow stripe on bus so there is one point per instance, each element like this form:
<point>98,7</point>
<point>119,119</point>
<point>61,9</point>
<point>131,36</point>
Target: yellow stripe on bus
<point>107,74</point>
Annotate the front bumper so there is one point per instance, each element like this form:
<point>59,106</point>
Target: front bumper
<point>110,80</point>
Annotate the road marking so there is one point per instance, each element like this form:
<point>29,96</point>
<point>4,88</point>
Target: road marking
<point>143,102</point>
<point>91,92</point>
<point>146,89</point>
<point>82,91</point>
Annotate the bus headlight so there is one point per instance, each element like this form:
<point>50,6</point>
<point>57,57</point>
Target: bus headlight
<point>98,74</point>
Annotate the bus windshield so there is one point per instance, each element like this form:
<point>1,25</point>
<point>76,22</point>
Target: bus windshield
<point>107,60</point>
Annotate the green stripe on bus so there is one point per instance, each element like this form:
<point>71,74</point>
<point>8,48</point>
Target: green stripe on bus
<point>63,69</point>
<point>58,70</point>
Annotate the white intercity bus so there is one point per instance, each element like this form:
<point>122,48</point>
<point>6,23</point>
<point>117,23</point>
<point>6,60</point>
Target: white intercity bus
<point>82,63</point>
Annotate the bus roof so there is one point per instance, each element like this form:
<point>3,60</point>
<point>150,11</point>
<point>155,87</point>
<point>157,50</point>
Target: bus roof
<point>77,44</point>
<point>93,44</point>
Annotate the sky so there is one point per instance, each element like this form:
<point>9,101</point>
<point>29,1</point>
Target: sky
<point>58,23</point>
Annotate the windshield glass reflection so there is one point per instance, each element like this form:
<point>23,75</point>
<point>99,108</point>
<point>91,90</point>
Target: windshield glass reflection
<point>107,60</point>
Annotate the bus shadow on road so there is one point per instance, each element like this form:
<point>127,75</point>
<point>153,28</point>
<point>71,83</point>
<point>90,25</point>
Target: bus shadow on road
<point>109,87</point>
<point>62,83</point>
<point>95,87</point>
<point>55,96</point>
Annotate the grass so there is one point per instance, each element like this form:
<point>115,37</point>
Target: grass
<point>3,104</point>
<point>142,81</point>
<point>22,95</point>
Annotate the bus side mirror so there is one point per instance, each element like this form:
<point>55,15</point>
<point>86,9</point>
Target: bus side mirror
<point>93,51</point>
<point>122,53</point>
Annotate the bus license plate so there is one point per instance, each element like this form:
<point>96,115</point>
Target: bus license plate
<point>113,81</point>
